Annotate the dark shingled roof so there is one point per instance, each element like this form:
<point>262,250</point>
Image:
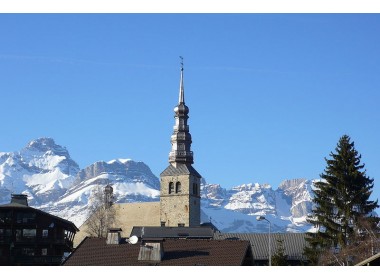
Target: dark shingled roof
<point>14,205</point>
<point>174,232</point>
<point>181,169</point>
<point>294,243</point>
<point>177,252</point>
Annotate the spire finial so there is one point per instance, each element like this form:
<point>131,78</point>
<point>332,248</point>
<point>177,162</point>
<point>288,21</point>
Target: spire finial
<point>181,62</point>
<point>181,89</point>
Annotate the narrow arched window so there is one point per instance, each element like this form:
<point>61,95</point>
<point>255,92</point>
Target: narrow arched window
<point>178,187</point>
<point>171,187</point>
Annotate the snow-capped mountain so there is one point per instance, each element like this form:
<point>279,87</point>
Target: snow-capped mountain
<point>43,170</point>
<point>236,210</point>
<point>54,183</point>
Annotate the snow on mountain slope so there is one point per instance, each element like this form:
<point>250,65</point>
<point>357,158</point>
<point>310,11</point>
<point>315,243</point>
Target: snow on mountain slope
<point>236,210</point>
<point>43,170</point>
<point>252,199</point>
<point>131,182</point>
<point>298,193</point>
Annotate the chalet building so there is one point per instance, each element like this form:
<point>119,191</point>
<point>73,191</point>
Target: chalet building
<point>150,251</point>
<point>29,236</point>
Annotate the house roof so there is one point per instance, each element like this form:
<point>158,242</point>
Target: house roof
<point>181,169</point>
<point>69,225</point>
<point>294,243</point>
<point>177,252</point>
<point>374,260</point>
<point>173,232</point>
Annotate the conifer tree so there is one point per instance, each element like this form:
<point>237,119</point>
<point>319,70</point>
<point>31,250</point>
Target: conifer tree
<point>341,200</point>
<point>279,258</point>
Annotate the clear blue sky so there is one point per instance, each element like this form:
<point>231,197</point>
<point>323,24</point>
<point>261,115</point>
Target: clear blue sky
<point>269,94</point>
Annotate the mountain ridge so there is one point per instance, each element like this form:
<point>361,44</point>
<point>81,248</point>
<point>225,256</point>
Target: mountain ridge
<point>55,183</point>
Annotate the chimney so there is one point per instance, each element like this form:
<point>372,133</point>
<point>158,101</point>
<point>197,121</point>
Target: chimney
<point>114,236</point>
<point>20,199</point>
<point>151,250</point>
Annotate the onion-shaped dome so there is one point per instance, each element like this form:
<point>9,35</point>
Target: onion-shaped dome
<point>181,109</point>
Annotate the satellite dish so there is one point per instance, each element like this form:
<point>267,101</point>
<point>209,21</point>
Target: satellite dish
<point>133,239</point>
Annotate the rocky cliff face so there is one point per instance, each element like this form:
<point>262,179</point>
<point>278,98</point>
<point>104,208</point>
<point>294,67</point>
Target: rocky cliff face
<point>43,170</point>
<point>235,210</point>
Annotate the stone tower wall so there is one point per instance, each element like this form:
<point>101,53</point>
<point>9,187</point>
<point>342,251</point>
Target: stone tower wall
<point>182,207</point>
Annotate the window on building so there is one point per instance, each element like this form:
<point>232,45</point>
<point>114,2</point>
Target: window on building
<point>26,218</point>
<point>44,251</point>
<point>5,217</point>
<point>18,234</point>
<point>181,225</point>
<point>29,233</point>
<point>171,187</point>
<point>162,224</point>
<point>45,233</point>
<point>27,251</point>
<point>5,234</point>
<point>178,187</point>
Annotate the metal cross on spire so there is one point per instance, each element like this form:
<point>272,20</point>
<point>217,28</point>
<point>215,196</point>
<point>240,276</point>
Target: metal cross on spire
<point>181,62</point>
<point>181,89</point>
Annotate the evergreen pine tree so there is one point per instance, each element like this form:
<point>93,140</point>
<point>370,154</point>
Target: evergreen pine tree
<point>279,258</point>
<point>341,199</point>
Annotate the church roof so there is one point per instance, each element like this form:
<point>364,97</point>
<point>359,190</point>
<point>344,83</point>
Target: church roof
<point>173,232</point>
<point>181,169</point>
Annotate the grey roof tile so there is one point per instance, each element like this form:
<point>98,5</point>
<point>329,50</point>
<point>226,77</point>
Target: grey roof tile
<point>294,243</point>
<point>181,169</point>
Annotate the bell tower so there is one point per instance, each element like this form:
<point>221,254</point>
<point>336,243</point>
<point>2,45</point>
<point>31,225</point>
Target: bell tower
<point>180,182</point>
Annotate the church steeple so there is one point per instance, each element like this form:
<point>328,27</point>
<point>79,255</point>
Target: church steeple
<point>180,199</point>
<point>181,138</point>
